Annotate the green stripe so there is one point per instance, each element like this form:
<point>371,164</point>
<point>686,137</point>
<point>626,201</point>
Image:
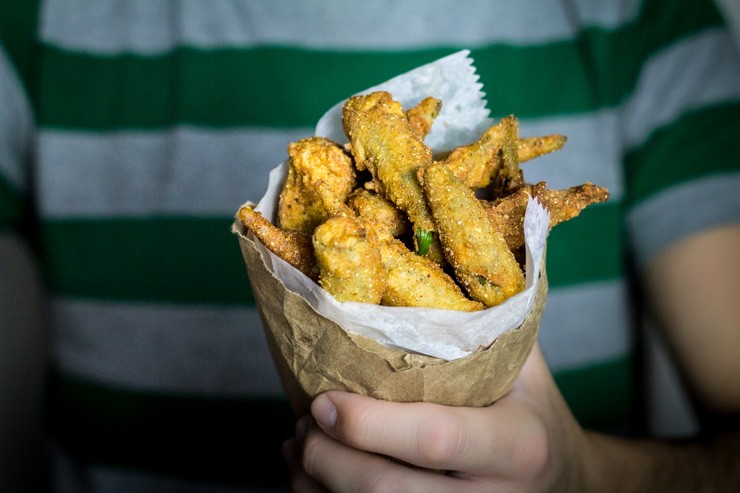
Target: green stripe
<point>679,152</point>
<point>11,203</point>
<point>18,21</point>
<point>589,247</point>
<point>156,259</point>
<point>601,396</point>
<point>287,87</point>
<point>195,438</point>
<point>597,69</point>
<point>264,86</point>
<point>198,260</point>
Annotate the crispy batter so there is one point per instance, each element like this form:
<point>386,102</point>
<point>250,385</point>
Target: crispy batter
<point>494,153</point>
<point>410,279</point>
<point>478,163</point>
<point>384,143</point>
<point>507,213</point>
<point>422,115</point>
<point>510,176</point>
<point>292,246</point>
<point>532,147</point>
<point>477,252</point>
<point>312,159</point>
<point>379,210</point>
<point>349,261</point>
<point>417,281</point>
<point>568,203</point>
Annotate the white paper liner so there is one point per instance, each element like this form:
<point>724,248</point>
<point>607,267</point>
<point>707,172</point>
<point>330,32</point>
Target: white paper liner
<point>445,334</point>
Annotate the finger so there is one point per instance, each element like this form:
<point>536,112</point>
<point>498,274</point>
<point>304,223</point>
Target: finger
<point>498,440</point>
<point>342,468</point>
<point>300,482</point>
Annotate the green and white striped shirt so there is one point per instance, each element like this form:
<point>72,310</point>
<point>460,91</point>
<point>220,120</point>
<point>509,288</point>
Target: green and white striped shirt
<point>131,131</point>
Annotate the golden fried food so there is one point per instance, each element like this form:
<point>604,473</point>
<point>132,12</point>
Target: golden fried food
<point>422,115</point>
<point>312,159</point>
<point>566,204</point>
<point>477,252</point>
<point>417,281</point>
<point>510,176</point>
<point>507,213</point>
<point>356,240</point>
<point>377,209</point>
<point>383,142</point>
<point>294,247</point>
<point>349,261</point>
<point>532,147</point>
<point>491,155</point>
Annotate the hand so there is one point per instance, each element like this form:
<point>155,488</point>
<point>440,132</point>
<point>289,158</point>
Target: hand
<point>526,441</point>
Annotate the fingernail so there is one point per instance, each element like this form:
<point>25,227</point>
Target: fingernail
<point>324,412</point>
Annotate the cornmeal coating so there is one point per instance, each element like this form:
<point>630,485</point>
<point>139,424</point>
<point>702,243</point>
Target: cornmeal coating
<point>418,281</point>
<point>313,159</point>
<point>294,247</point>
<point>477,252</point>
<point>422,116</point>
<point>377,209</point>
<point>532,147</point>
<point>507,213</point>
<point>479,163</point>
<point>350,266</point>
<point>383,142</point>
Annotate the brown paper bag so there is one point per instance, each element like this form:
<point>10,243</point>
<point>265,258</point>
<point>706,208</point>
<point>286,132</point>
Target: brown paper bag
<point>313,354</point>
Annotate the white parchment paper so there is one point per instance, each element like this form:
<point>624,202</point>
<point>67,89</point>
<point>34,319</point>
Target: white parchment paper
<point>445,334</point>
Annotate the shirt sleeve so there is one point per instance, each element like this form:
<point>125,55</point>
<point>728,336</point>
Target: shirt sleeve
<point>682,132</point>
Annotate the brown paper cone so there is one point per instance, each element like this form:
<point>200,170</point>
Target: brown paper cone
<point>313,354</point>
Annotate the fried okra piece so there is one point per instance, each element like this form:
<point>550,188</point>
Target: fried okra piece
<point>349,261</point>
<point>383,142</point>
<point>294,247</point>
<point>312,159</point>
<point>532,147</point>
<point>379,210</point>
<point>479,163</point>
<point>417,281</point>
<point>510,177</point>
<point>477,252</point>
<point>422,116</point>
<point>507,213</point>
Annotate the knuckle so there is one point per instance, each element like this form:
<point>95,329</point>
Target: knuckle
<point>311,452</point>
<point>442,445</point>
<point>532,452</point>
<point>377,480</point>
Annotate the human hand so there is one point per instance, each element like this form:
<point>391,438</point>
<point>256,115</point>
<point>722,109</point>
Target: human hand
<point>526,441</point>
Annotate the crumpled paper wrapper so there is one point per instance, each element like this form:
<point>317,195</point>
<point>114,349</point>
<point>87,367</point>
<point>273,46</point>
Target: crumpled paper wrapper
<point>400,354</point>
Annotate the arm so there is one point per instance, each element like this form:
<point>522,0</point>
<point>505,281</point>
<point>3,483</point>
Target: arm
<point>22,367</point>
<point>529,440</point>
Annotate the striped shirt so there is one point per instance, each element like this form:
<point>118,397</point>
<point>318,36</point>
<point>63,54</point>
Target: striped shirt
<point>131,131</point>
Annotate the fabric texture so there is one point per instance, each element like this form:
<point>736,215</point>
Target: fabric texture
<point>131,132</point>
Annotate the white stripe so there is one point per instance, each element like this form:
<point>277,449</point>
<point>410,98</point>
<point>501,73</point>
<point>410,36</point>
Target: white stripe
<point>204,172</point>
<point>71,477</point>
<point>222,351</point>
<point>701,70</point>
<point>592,151</point>
<point>156,26</point>
<point>683,210</point>
<point>16,126</point>
<point>184,170</point>
<point>586,324</point>
<point>175,349</point>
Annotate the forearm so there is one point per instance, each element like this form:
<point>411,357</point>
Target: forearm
<point>623,465</point>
